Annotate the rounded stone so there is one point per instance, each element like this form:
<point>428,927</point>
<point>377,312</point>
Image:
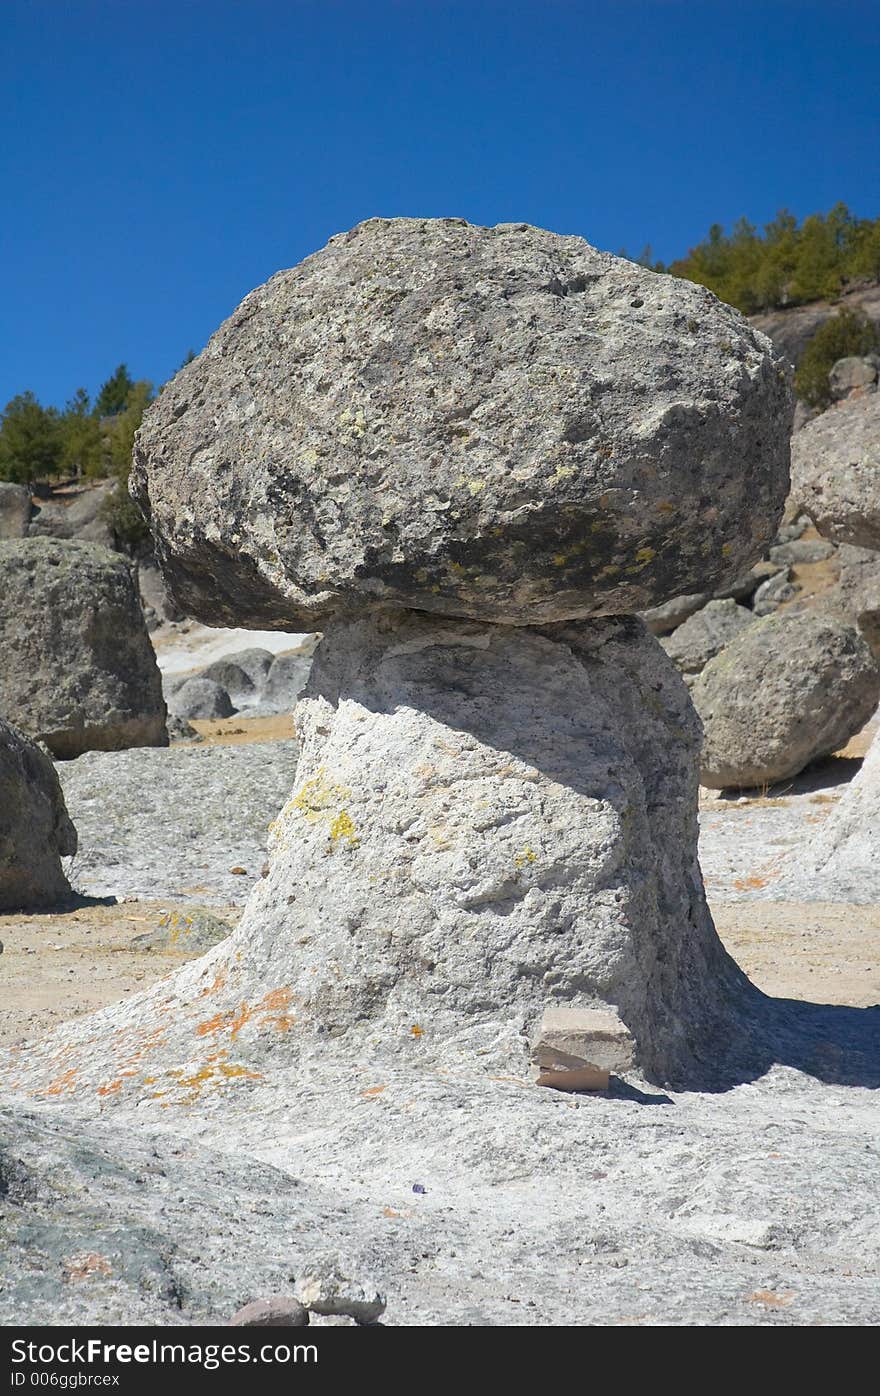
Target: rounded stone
<point>201,699</point>
<point>35,829</point>
<point>788,689</point>
<point>836,471</point>
<point>498,423</point>
<point>78,670</point>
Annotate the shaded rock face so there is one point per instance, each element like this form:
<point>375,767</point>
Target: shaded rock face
<point>836,471</point>
<point>790,688</point>
<point>78,668</point>
<point>15,510</point>
<point>35,830</point>
<point>467,421</point>
<point>82,517</point>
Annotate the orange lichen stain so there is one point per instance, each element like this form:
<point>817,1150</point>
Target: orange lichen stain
<point>742,884</point>
<point>416,1030</point>
<point>66,1082</point>
<point>276,998</point>
<point>770,1299</point>
<point>111,1088</point>
<point>374,1090</point>
<point>389,1212</point>
<point>79,1267</point>
<point>218,983</point>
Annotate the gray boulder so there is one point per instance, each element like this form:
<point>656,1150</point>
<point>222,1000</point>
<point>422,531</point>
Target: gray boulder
<point>855,373</point>
<point>81,516</point>
<point>706,634</point>
<point>286,680</point>
<point>35,830</point>
<point>78,668</point>
<point>790,688</point>
<point>662,620</point>
<point>836,471</point>
<point>801,552</point>
<point>200,698</point>
<point>154,594</point>
<point>244,671</point>
<point>15,510</point>
<point>492,422</point>
<point>773,593</point>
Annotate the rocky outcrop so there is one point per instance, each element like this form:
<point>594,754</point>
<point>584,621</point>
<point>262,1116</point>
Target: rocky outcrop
<point>491,422</point>
<point>792,328</point>
<point>78,669</point>
<point>790,688</point>
<point>81,515</point>
<point>35,830</point>
<point>836,471</point>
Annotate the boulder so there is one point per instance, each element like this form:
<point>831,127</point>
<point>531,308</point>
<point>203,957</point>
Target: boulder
<point>836,471</point>
<point>35,830</point>
<point>789,689</point>
<point>706,634</point>
<point>802,552</point>
<point>82,515</point>
<point>286,680</point>
<point>499,423</point>
<point>662,620</point>
<point>78,668</point>
<point>855,373</point>
<point>200,698</point>
<point>15,510</point>
<point>244,671</point>
<point>154,594</point>
<point>773,593</point>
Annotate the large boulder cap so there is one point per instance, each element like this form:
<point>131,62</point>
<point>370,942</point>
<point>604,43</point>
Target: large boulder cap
<point>498,423</point>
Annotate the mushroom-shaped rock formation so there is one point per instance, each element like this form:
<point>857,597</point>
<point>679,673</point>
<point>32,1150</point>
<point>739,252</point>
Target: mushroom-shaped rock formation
<point>496,423</point>
<point>488,820</point>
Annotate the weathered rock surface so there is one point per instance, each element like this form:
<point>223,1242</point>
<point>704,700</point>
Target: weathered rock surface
<point>15,510</point>
<point>35,829</point>
<point>286,680</point>
<point>200,698</point>
<point>773,593</point>
<point>788,689</point>
<point>78,668</point>
<point>281,1311</point>
<point>490,422</point>
<point>706,634</point>
<point>836,471</point>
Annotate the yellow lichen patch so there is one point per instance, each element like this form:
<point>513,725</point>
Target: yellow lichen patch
<point>564,472</point>
<point>213,1073</point>
<point>416,1030</point>
<point>527,855</point>
<point>111,1088</point>
<point>645,555</point>
<point>665,506</point>
<point>343,828</point>
<point>322,801</point>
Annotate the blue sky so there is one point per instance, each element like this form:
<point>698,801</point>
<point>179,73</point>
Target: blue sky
<point>158,160</point>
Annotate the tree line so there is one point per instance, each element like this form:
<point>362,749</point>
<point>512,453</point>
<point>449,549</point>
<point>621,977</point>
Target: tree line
<point>786,264</point>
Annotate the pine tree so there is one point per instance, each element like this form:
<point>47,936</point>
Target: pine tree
<point>30,440</point>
